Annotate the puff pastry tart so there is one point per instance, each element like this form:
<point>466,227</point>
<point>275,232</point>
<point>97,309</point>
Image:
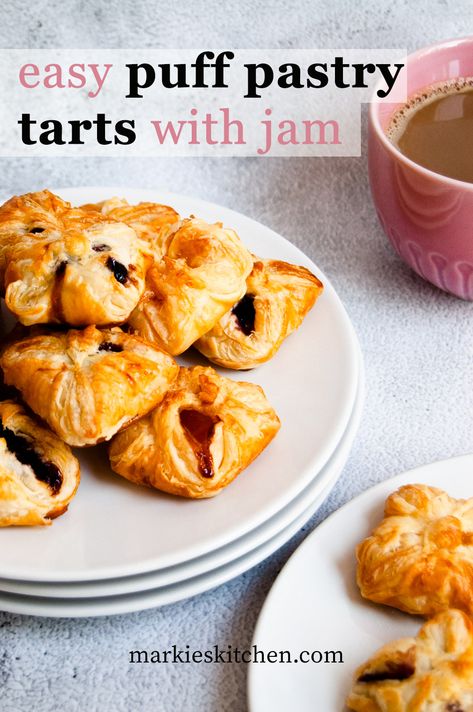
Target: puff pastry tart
<point>151,221</point>
<point>201,276</point>
<point>204,433</point>
<point>278,296</point>
<point>88,384</point>
<point>66,265</point>
<point>38,473</point>
<point>420,558</point>
<point>430,673</point>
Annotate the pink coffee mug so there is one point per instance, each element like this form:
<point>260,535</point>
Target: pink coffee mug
<point>427,217</point>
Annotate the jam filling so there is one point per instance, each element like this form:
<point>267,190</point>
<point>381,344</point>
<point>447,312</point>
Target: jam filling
<point>245,314</point>
<point>24,452</point>
<point>61,268</point>
<point>56,299</point>
<point>109,346</point>
<point>100,248</point>
<point>199,429</point>
<point>120,272</point>
<point>36,230</point>
<point>8,392</point>
<point>398,672</point>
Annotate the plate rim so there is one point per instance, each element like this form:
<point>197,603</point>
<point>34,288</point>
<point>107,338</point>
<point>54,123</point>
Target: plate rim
<point>199,584</point>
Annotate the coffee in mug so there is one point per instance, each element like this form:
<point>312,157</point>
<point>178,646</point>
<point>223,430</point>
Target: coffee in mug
<point>435,129</point>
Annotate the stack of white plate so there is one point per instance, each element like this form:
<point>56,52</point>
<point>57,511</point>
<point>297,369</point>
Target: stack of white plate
<point>123,548</point>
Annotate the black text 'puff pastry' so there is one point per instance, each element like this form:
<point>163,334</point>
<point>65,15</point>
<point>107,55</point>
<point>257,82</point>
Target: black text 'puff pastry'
<point>66,265</point>
<point>278,296</point>
<point>201,276</point>
<point>38,473</point>
<point>203,434</point>
<point>88,384</point>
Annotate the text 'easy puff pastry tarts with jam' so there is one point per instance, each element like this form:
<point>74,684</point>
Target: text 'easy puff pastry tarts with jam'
<point>420,557</point>
<point>88,384</point>
<point>201,276</point>
<point>150,221</point>
<point>38,473</point>
<point>432,672</point>
<point>277,298</point>
<point>205,431</point>
<point>60,264</point>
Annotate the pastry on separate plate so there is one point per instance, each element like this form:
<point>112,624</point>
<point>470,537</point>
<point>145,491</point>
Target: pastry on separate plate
<point>204,433</point>
<point>38,473</point>
<point>430,673</point>
<point>151,221</point>
<point>66,265</point>
<point>88,384</point>
<point>201,276</point>
<point>420,558</point>
<point>278,296</point>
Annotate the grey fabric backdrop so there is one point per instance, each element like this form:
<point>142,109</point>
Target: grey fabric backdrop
<point>417,341</point>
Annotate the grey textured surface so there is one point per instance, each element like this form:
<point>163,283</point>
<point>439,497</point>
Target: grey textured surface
<point>417,341</point>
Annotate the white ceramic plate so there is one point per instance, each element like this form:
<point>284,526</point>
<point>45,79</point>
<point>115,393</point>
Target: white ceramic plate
<point>215,559</point>
<point>116,529</point>
<point>315,604</point>
<point>140,599</point>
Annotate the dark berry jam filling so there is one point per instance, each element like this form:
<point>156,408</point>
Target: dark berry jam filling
<point>25,453</point>
<point>120,272</point>
<point>245,314</point>
<point>110,346</point>
<point>398,671</point>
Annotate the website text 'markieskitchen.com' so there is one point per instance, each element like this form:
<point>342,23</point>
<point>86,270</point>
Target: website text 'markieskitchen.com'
<point>231,654</point>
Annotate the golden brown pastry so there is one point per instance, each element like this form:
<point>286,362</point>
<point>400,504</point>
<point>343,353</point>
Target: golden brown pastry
<point>88,384</point>
<point>201,276</point>
<point>278,296</point>
<point>66,265</point>
<point>204,433</point>
<point>420,558</point>
<point>430,673</point>
<point>151,221</point>
<point>38,473</point>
